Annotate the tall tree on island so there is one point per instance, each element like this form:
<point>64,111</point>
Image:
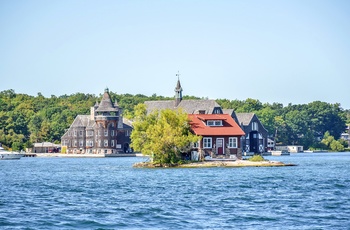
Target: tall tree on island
<point>162,135</point>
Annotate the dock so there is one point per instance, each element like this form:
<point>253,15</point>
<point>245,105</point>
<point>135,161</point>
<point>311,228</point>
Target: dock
<point>79,155</point>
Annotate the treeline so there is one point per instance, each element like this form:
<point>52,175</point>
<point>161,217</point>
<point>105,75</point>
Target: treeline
<point>304,124</point>
<point>26,119</point>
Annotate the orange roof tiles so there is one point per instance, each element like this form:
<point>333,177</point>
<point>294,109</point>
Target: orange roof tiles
<point>229,126</point>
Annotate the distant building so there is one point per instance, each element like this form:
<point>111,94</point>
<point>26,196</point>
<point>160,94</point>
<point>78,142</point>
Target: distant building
<point>270,144</point>
<point>45,147</point>
<point>290,148</point>
<point>345,136</point>
<point>103,131</point>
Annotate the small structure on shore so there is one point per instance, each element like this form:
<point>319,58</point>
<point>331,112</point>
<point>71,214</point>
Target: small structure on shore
<point>290,148</point>
<point>45,147</point>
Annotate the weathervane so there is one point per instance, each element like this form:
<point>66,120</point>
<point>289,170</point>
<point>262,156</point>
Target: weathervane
<point>178,75</point>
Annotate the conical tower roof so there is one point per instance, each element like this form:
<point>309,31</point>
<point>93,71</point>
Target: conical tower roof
<point>178,86</point>
<point>106,104</point>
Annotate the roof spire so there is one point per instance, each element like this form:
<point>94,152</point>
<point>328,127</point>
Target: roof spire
<point>178,90</point>
<point>178,85</point>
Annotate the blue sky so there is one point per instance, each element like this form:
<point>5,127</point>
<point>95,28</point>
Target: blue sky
<point>274,51</point>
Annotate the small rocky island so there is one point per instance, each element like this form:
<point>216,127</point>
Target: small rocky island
<point>215,163</point>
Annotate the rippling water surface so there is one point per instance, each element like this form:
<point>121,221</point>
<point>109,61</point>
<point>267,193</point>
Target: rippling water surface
<point>107,193</point>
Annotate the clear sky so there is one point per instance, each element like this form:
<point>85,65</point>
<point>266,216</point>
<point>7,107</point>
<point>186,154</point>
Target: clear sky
<point>274,51</point>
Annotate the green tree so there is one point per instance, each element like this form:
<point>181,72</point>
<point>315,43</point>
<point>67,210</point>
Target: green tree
<point>267,117</point>
<point>250,105</point>
<point>336,146</point>
<point>163,135</point>
<point>280,130</point>
<point>331,143</point>
<point>326,117</point>
<point>296,122</point>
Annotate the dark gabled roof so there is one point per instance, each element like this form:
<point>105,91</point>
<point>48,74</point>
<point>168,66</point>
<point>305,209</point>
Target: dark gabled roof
<point>83,121</point>
<point>159,105</point>
<point>194,106</point>
<point>127,124</point>
<point>228,111</point>
<point>106,104</point>
<point>188,106</point>
<point>245,118</point>
<point>232,113</point>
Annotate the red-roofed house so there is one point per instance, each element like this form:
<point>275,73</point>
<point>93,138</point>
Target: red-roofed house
<point>221,135</point>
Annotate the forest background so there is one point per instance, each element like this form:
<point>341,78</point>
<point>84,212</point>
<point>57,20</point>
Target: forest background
<point>26,119</point>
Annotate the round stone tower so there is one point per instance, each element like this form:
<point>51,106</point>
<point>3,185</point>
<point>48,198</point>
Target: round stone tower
<point>106,116</point>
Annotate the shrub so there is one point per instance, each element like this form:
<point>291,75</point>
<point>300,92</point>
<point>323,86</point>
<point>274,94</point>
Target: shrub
<point>256,158</point>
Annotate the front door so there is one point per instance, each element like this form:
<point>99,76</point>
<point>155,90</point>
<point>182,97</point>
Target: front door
<point>254,141</point>
<point>220,146</point>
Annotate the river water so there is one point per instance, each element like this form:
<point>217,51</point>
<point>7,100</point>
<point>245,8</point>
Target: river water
<point>107,193</point>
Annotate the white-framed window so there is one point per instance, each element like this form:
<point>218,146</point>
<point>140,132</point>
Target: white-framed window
<point>98,133</point>
<point>105,143</point>
<point>112,132</point>
<point>89,133</point>
<point>75,143</point>
<point>127,133</point>
<point>232,142</point>
<point>81,143</point>
<point>214,123</point>
<point>112,143</point>
<point>89,143</point>
<point>106,133</point>
<point>210,123</point>
<point>207,142</point>
<point>80,133</point>
<point>218,123</point>
<point>195,145</point>
<point>75,133</point>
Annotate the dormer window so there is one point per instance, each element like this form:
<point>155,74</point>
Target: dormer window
<point>216,111</point>
<point>214,123</point>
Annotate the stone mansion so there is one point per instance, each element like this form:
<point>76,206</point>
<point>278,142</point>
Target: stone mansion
<point>103,131</point>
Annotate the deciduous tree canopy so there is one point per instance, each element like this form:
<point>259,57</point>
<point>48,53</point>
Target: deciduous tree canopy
<point>163,135</point>
<point>26,119</point>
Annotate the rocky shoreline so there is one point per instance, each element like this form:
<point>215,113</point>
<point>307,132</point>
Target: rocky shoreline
<point>212,163</point>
